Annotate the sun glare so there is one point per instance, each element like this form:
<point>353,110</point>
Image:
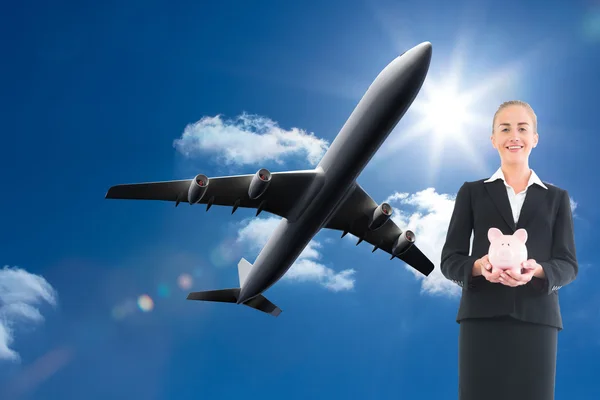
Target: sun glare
<point>446,110</point>
<point>452,112</point>
<point>445,114</point>
<point>450,119</point>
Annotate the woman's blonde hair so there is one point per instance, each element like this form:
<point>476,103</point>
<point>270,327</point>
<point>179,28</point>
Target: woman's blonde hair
<point>516,103</point>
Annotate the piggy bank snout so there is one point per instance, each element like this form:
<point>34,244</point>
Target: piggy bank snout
<point>506,252</point>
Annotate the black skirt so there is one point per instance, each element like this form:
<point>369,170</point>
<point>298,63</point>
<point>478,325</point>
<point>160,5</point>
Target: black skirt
<point>506,359</point>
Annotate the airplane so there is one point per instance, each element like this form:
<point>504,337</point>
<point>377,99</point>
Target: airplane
<point>326,197</point>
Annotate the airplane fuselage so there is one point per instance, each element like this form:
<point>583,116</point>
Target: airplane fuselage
<point>369,125</point>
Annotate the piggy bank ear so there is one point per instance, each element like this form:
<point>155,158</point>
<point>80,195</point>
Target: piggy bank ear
<point>493,234</point>
<point>521,235</point>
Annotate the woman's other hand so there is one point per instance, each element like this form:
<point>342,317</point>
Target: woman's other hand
<point>533,265</point>
<point>483,267</point>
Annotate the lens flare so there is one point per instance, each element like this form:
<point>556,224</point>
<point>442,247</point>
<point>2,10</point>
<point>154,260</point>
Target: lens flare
<point>118,312</point>
<point>123,309</point>
<point>184,281</point>
<point>145,303</point>
<point>163,290</point>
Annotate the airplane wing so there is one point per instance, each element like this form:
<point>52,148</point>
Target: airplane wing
<point>283,192</point>
<point>353,216</point>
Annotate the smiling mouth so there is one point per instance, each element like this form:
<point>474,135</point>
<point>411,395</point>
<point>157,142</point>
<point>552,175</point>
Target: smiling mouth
<point>514,147</point>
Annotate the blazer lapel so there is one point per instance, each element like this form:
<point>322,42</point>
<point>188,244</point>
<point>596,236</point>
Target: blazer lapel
<point>534,197</point>
<point>497,191</point>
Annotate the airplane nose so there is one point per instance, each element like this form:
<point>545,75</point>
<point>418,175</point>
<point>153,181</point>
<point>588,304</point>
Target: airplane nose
<point>422,52</point>
<point>414,62</point>
<point>425,47</point>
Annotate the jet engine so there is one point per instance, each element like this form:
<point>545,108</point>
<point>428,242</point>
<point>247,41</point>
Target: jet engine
<point>403,243</point>
<point>197,188</point>
<point>259,184</point>
<point>380,215</point>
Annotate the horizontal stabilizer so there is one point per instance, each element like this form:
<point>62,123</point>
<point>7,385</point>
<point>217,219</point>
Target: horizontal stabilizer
<point>260,302</point>
<point>221,296</point>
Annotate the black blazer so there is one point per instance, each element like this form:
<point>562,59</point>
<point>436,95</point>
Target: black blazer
<point>546,215</point>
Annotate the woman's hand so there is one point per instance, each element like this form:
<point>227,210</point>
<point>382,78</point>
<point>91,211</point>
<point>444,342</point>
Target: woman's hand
<point>484,268</point>
<point>530,268</point>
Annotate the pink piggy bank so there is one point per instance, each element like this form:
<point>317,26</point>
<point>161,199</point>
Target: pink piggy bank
<point>507,252</point>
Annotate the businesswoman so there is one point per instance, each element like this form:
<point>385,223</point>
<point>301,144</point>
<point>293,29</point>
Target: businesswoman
<point>509,322</point>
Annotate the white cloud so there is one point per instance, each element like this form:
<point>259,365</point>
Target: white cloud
<point>20,294</point>
<point>429,221</point>
<point>248,139</point>
<point>307,267</point>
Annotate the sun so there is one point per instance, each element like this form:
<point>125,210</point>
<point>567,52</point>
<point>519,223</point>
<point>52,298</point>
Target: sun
<point>446,114</point>
<point>452,113</point>
<point>451,117</point>
<point>447,109</point>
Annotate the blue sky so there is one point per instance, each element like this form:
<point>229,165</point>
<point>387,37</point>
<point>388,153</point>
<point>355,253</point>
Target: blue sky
<point>102,93</point>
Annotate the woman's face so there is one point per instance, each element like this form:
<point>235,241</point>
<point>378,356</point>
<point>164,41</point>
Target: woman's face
<point>514,134</point>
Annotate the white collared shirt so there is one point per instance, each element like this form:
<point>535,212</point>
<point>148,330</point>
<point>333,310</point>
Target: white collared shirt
<point>516,199</point>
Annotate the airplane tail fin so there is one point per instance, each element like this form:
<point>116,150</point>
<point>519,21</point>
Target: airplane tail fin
<point>260,302</point>
<point>244,268</point>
